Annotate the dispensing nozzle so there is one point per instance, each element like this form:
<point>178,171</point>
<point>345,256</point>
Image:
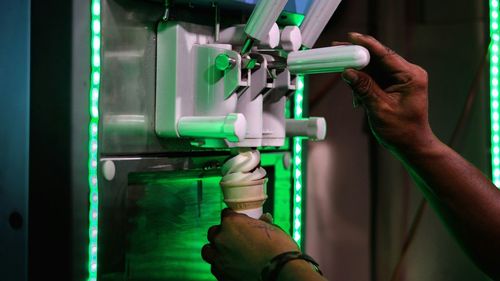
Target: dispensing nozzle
<point>264,15</point>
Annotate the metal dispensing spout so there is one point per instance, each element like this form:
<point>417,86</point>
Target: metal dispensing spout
<point>264,15</point>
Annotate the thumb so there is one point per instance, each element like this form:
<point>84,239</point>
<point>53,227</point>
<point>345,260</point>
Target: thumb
<point>364,87</point>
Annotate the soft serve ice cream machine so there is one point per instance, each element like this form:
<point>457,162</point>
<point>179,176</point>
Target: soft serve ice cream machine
<point>228,87</point>
<point>192,91</point>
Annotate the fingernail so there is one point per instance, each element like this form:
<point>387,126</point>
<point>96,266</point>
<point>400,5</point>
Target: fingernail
<point>350,76</point>
<point>355,34</point>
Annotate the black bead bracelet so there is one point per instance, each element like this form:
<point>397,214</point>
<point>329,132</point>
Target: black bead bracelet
<point>273,268</point>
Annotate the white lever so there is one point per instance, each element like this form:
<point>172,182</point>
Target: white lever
<point>231,127</point>
<point>313,128</point>
<point>317,17</point>
<point>331,59</point>
<point>264,15</point>
<point>235,35</point>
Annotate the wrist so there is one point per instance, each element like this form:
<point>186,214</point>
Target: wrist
<point>427,149</point>
<point>298,270</point>
<point>422,142</point>
<point>289,266</point>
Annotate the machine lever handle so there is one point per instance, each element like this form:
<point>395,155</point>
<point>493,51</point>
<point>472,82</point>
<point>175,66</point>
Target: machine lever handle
<point>330,59</point>
<point>231,127</point>
<point>313,128</point>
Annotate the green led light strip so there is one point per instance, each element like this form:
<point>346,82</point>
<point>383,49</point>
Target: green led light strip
<point>297,165</point>
<point>494,99</point>
<point>95,80</point>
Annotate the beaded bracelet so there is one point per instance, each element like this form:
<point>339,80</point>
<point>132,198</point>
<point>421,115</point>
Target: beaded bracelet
<point>273,268</point>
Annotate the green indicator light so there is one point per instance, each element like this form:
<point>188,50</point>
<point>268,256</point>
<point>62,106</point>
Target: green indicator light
<point>95,80</point>
<point>298,159</point>
<point>96,62</point>
<point>494,99</point>
<point>296,237</point>
<point>96,26</point>
<point>297,172</point>
<point>96,44</point>
<point>96,8</point>
<point>96,77</point>
<point>297,165</point>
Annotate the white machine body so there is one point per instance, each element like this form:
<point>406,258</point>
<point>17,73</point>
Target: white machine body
<point>219,96</point>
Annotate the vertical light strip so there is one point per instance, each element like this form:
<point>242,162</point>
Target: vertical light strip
<point>494,99</point>
<point>297,165</point>
<point>95,80</point>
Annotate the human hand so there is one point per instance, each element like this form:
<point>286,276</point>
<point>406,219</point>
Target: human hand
<point>240,246</point>
<point>394,95</point>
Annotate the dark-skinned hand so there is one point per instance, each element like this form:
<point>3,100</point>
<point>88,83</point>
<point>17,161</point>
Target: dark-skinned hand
<point>394,95</point>
<point>240,246</point>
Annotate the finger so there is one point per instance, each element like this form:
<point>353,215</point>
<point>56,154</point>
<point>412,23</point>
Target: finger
<point>208,253</point>
<point>378,51</point>
<point>212,232</point>
<point>267,217</point>
<point>340,43</point>
<point>365,88</point>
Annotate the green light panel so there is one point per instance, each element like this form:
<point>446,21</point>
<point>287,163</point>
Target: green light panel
<point>494,100</point>
<point>282,186</point>
<point>95,79</point>
<point>297,165</point>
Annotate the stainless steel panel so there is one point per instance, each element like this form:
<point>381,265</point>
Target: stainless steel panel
<point>128,79</point>
<point>127,101</point>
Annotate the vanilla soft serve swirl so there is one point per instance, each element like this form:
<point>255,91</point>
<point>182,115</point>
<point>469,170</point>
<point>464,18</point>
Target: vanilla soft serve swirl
<point>243,169</point>
<point>244,183</point>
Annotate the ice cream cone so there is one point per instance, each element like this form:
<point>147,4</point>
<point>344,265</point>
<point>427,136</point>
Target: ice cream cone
<point>246,197</point>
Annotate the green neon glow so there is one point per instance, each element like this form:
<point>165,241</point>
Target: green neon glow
<point>95,79</point>
<point>494,99</point>
<point>297,165</point>
<point>282,187</point>
<point>287,18</point>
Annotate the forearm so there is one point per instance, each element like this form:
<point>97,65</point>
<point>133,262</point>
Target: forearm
<point>299,270</point>
<point>465,199</point>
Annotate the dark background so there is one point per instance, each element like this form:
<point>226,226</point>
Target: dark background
<point>361,200</point>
